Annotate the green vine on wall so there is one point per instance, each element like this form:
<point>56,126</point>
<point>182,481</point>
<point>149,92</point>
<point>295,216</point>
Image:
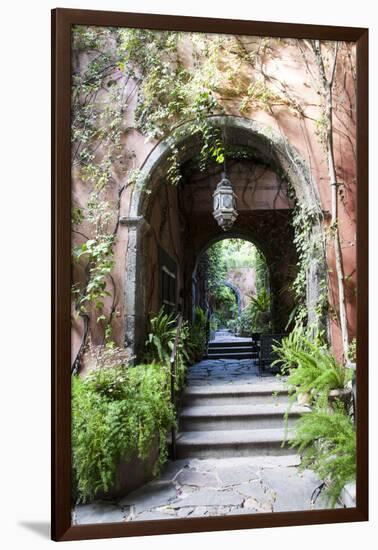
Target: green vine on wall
<point>178,77</point>
<point>170,94</point>
<point>99,103</point>
<point>303,220</point>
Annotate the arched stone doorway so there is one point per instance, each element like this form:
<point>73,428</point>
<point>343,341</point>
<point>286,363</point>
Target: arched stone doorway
<point>274,276</point>
<point>269,148</point>
<point>235,290</point>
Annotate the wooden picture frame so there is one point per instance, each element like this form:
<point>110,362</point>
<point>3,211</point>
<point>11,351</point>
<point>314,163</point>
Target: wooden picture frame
<point>62,21</point>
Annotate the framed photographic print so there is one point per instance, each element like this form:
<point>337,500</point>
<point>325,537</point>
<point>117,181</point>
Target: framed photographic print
<point>209,274</point>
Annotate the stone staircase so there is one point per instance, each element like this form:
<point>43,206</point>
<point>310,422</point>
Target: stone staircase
<point>238,349</point>
<point>218,421</point>
<point>226,345</point>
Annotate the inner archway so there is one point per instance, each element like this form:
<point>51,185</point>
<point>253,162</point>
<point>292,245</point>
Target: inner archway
<point>175,223</point>
<point>237,264</point>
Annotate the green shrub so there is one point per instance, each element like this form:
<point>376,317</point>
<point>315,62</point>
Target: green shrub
<point>352,351</point>
<point>161,336</point>
<point>160,342</point>
<point>117,412</point>
<point>327,443</point>
<point>310,366</point>
<point>225,304</point>
<point>197,335</point>
<point>256,316</point>
<point>287,349</point>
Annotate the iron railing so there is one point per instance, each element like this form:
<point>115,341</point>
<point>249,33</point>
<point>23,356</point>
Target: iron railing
<point>173,365</point>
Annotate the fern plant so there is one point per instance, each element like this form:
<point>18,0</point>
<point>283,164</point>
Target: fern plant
<point>318,372</point>
<point>286,350</point>
<point>117,413</point>
<point>310,366</point>
<point>327,443</point>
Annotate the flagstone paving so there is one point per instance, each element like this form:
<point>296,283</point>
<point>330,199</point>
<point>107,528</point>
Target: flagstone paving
<point>208,487</point>
<point>197,487</point>
<point>224,371</point>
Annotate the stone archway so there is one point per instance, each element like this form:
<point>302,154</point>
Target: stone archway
<point>280,309</point>
<point>235,290</point>
<point>271,147</point>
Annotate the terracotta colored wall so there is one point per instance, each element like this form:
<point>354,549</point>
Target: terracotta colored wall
<point>286,65</point>
<point>244,278</point>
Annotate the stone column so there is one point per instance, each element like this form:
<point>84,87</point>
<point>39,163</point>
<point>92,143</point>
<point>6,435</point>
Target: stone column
<point>317,282</point>
<point>134,291</point>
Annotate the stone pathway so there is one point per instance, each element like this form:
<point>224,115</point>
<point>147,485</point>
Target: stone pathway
<point>212,487</point>
<point>226,371</point>
<point>227,336</point>
<point>197,487</point>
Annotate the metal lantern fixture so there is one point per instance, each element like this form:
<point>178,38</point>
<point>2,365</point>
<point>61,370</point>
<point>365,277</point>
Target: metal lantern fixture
<point>224,204</point>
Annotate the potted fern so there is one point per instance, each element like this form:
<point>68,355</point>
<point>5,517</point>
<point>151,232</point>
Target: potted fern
<point>327,444</point>
<point>313,372</point>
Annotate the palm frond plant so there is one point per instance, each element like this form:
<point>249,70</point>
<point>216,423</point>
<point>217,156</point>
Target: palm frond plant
<point>197,334</point>
<point>255,317</point>
<point>160,342</point>
<point>260,305</point>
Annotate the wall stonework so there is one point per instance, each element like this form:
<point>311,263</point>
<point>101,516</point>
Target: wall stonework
<point>178,219</point>
<point>270,229</point>
<point>244,279</point>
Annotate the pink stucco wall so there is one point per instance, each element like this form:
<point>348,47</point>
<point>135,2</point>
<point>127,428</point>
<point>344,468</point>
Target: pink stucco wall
<point>285,64</point>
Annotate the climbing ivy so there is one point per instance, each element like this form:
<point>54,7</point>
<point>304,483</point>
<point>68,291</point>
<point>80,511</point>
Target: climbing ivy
<point>303,219</point>
<point>176,78</point>
<point>171,94</point>
<point>98,108</point>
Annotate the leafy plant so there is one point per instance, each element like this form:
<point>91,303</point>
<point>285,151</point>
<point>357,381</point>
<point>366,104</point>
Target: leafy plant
<point>310,366</point>
<point>327,443</point>
<point>197,334</point>
<point>352,351</point>
<point>287,349</point>
<point>99,252</point>
<point>117,412</point>
<point>303,219</point>
<point>255,317</point>
<point>225,304</point>
<point>160,342</point>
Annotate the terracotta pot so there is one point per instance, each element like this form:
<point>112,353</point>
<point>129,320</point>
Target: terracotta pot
<point>132,474</point>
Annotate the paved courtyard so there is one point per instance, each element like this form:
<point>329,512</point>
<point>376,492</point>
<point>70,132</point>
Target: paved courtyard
<point>195,487</point>
<point>212,487</point>
<point>226,371</point>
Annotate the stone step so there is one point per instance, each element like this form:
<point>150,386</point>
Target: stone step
<point>214,344</point>
<point>237,417</point>
<point>229,349</point>
<point>246,394</point>
<point>231,355</point>
<point>227,443</point>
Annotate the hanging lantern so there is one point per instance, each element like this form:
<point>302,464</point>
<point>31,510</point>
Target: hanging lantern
<point>224,204</point>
